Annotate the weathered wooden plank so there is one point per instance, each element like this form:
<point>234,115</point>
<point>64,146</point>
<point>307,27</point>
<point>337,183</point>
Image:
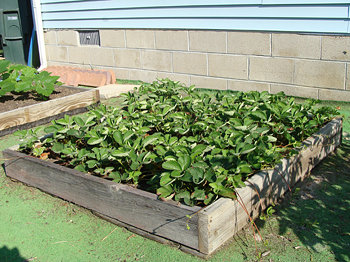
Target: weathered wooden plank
<point>161,240</point>
<point>145,211</point>
<point>62,104</point>
<point>220,221</point>
<point>138,231</point>
<point>124,203</point>
<point>223,211</point>
<point>42,121</point>
<point>47,109</point>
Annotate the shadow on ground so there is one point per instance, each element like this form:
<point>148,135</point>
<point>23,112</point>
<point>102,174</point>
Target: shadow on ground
<point>319,212</point>
<point>10,255</point>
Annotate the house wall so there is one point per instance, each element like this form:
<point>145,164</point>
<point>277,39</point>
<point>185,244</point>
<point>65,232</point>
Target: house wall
<point>322,16</point>
<point>315,66</point>
<point>301,47</point>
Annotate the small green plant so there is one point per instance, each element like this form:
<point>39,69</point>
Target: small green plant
<point>269,212</point>
<point>129,82</point>
<point>21,79</point>
<point>181,143</point>
<point>296,192</point>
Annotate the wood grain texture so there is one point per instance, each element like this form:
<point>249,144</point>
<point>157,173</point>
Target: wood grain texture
<point>46,109</point>
<point>43,121</point>
<point>220,221</point>
<point>121,202</point>
<point>161,240</point>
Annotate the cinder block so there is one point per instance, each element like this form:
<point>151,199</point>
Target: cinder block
<point>121,73</point>
<point>190,63</point>
<point>290,90</point>
<point>208,41</point>
<point>248,43</point>
<point>56,53</point>
<point>157,60</point>
<point>247,86</point>
<point>50,37</point>
<point>294,45</point>
<point>102,56</point>
<point>230,66</point>
<point>140,38</point>
<point>319,74</point>
<point>67,37</point>
<point>336,95</point>
<point>171,40</point>
<point>79,55</point>
<point>53,63</point>
<point>271,69</point>
<point>112,38</point>
<point>146,76</point>
<point>82,66</point>
<point>209,82</point>
<point>336,48</point>
<point>184,79</point>
<point>127,58</point>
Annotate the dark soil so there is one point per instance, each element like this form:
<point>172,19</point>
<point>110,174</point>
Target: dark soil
<point>13,101</point>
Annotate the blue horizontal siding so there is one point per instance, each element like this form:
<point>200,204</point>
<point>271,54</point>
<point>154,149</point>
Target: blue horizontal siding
<point>317,16</point>
<point>214,12</point>
<point>154,3</point>
<point>304,2</point>
<point>220,24</point>
<point>114,4</point>
<point>65,1</point>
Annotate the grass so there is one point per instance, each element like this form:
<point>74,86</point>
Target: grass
<point>319,216</point>
<point>312,224</point>
<point>130,82</point>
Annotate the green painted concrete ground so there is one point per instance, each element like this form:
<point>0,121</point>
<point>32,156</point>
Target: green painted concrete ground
<point>312,224</point>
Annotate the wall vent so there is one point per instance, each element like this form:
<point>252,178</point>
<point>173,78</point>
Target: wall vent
<point>89,37</point>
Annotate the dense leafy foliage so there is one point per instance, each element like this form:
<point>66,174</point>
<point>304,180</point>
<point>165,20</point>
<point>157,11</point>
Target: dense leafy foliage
<point>20,79</point>
<point>182,143</point>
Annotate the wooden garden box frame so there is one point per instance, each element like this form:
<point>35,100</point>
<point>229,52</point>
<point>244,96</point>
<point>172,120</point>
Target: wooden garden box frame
<point>43,112</point>
<point>166,221</point>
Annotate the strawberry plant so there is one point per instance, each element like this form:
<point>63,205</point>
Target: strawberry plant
<point>181,143</point>
<point>20,79</point>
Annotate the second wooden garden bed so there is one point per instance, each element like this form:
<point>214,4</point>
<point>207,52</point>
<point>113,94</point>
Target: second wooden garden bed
<point>142,212</point>
<point>44,112</point>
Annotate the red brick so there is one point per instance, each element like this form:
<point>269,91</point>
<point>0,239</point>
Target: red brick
<point>77,76</point>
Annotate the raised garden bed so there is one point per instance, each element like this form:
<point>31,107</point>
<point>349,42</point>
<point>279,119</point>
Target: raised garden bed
<point>208,228</point>
<point>40,112</point>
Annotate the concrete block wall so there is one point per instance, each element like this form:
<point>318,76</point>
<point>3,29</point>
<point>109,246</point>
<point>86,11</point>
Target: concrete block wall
<point>304,65</point>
